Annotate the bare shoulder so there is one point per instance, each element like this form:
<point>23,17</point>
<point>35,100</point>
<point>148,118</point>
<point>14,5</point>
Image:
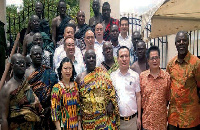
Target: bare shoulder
<point>91,21</point>
<point>26,37</point>
<point>134,66</point>
<point>29,71</point>
<point>55,20</point>
<point>8,88</point>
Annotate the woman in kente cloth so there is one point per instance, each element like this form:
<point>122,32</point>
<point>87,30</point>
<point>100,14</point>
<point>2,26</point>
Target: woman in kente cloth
<point>65,98</point>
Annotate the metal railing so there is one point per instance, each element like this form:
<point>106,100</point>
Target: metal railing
<point>135,24</point>
<point>194,45</point>
<point>19,21</point>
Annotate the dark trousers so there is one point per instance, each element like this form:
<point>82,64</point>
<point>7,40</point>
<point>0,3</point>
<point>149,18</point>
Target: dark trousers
<point>171,127</point>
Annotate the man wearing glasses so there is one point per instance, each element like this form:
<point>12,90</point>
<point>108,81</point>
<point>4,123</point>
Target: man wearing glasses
<point>154,84</point>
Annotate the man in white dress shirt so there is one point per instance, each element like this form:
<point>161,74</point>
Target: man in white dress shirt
<point>69,51</point>
<point>127,86</point>
<point>99,36</point>
<point>60,53</point>
<point>124,39</point>
<point>89,40</point>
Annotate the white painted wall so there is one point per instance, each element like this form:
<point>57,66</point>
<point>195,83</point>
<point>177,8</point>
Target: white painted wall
<point>3,11</point>
<point>115,7</point>
<point>85,7</point>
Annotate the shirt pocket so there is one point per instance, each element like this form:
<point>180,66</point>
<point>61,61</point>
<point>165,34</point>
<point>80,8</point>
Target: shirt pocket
<point>130,85</point>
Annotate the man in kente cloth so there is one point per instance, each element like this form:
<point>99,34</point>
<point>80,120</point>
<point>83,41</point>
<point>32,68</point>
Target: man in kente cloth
<point>98,105</point>
<point>81,29</point>
<point>97,15</point>
<point>60,22</point>
<point>110,64</point>
<point>44,24</point>
<point>34,24</point>
<point>41,79</point>
<point>20,107</point>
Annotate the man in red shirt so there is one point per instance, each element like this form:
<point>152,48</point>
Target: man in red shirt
<point>107,21</point>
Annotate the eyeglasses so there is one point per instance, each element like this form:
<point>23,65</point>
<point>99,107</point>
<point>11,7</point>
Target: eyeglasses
<point>154,58</point>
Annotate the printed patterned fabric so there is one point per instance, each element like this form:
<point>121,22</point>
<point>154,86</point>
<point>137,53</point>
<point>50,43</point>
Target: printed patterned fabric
<point>24,106</point>
<point>155,96</point>
<point>42,82</point>
<point>64,105</point>
<point>184,109</point>
<point>109,70</point>
<point>96,91</point>
<point>22,126</point>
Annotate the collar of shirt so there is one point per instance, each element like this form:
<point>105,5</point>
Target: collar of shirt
<point>186,59</point>
<point>121,38</point>
<point>59,49</point>
<point>75,61</point>
<point>161,74</point>
<point>118,46</point>
<point>96,42</point>
<point>127,73</point>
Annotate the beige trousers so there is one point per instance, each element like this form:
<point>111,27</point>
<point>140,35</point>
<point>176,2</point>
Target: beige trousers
<point>129,125</point>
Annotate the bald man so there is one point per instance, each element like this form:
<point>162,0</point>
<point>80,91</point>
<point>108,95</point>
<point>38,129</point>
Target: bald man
<point>99,106</point>
<point>44,24</point>
<point>89,40</point>
<point>41,79</point>
<point>70,52</point>
<point>141,64</point>
<point>60,22</point>
<point>60,52</point>
<point>110,64</point>
<point>136,36</point>
<point>48,50</point>
<point>184,70</point>
<point>99,36</point>
<point>20,108</point>
<point>81,28</point>
<point>28,39</point>
<point>97,18</point>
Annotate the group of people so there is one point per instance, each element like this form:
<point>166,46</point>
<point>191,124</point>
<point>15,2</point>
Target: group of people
<point>97,76</point>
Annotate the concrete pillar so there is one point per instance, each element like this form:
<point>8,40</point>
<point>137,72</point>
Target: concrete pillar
<point>171,47</point>
<point>3,11</point>
<point>115,7</point>
<point>3,15</point>
<point>85,7</point>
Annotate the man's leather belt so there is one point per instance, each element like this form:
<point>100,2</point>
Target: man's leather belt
<point>128,118</point>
